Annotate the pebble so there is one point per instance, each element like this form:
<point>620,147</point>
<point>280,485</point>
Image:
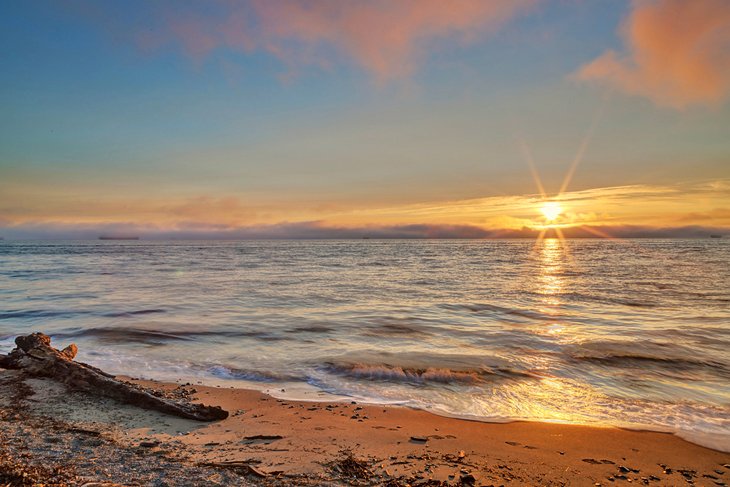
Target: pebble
<point>468,479</point>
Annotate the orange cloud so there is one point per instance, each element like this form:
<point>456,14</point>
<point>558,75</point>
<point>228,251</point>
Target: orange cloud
<point>385,37</point>
<point>716,216</point>
<point>678,53</point>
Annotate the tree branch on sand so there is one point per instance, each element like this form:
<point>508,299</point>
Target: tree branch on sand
<point>35,356</point>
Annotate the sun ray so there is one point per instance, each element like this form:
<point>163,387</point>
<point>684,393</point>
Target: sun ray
<point>584,143</point>
<point>564,245</point>
<point>599,233</point>
<point>527,154</point>
<point>536,245</point>
<point>551,209</point>
<point>608,236</point>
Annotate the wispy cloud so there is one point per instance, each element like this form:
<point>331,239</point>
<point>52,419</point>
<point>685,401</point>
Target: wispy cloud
<point>718,216</point>
<point>384,37</point>
<point>677,53</point>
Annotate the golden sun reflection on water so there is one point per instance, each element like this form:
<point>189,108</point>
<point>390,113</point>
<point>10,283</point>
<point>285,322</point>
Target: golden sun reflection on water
<point>550,398</point>
<point>554,399</point>
<point>552,258</point>
<point>550,281</point>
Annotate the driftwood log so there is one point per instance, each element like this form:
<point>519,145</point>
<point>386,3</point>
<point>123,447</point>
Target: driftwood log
<point>35,356</point>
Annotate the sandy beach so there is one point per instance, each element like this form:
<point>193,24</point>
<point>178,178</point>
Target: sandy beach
<point>72,438</point>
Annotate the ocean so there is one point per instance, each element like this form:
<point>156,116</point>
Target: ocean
<point>631,333</point>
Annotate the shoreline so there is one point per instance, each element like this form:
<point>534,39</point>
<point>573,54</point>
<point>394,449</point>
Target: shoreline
<point>308,393</point>
<point>273,441</point>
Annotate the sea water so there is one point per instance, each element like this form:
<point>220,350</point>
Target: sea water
<point>632,333</point>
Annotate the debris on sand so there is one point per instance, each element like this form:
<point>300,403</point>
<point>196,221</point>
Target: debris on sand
<point>35,356</point>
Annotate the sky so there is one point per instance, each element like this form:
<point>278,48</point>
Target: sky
<point>380,118</point>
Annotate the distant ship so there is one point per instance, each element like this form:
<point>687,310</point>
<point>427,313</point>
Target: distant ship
<point>118,237</point>
<point>715,236</point>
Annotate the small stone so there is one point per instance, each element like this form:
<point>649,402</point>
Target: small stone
<point>468,479</point>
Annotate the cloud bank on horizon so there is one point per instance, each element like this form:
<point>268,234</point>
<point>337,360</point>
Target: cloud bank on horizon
<point>321,231</point>
<point>688,210</point>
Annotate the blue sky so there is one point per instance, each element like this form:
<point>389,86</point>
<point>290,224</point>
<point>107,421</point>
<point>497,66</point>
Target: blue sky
<point>113,102</point>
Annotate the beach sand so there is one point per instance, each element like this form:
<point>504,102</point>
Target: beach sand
<point>280,442</point>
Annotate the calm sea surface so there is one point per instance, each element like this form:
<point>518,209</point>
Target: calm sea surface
<point>633,333</point>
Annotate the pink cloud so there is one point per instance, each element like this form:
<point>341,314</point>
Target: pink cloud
<point>387,38</point>
<point>678,53</point>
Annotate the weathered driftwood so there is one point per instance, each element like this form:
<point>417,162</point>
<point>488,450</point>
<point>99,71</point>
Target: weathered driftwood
<point>35,356</point>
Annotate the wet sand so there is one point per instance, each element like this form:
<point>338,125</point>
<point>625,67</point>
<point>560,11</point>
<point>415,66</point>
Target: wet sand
<point>280,442</point>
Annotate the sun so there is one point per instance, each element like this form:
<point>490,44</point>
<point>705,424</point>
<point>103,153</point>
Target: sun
<point>551,210</point>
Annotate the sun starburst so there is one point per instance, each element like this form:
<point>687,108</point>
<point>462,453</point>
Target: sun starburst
<point>551,210</point>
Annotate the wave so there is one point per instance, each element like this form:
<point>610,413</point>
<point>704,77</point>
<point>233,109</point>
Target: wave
<point>581,298</point>
<point>630,353</point>
<point>400,374</point>
<point>706,335</point>
<point>36,313</point>
<point>631,303</point>
<point>374,264</point>
<point>126,334</point>
<point>310,329</point>
<point>126,314</point>
<point>485,307</point>
<point>235,373</point>
<point>49,313</point>
<point>394,329</point>
<point>426,368</point>
<point>156,337</point>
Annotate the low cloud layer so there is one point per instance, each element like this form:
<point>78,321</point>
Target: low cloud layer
<point>319,230</point>
<point>679,209</point>
<point>677,53</point>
